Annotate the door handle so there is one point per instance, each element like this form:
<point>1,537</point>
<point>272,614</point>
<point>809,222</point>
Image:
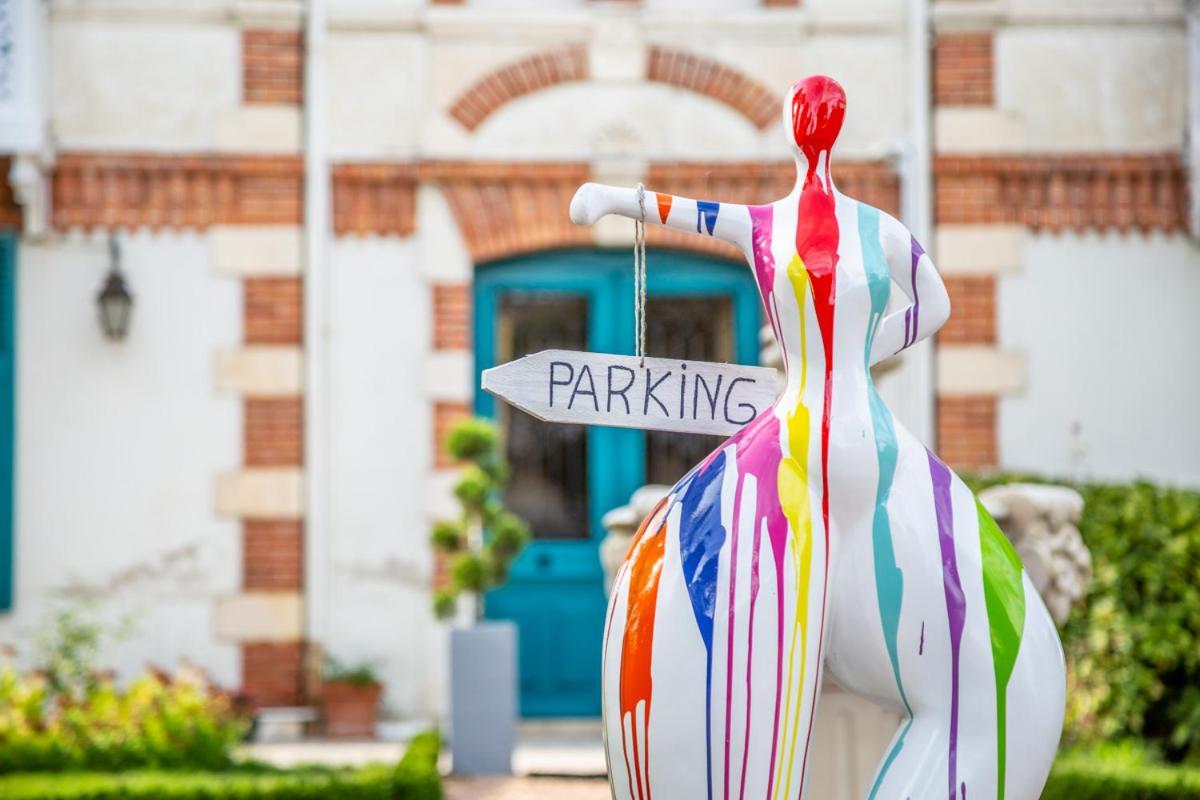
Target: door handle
<point>543,561</point>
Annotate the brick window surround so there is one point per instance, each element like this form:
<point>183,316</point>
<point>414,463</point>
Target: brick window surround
<point>966,431</point>
<point>451,316</point>
<point>273,673</point>
<point>446,414</point>
<point>272,66</point>
<point>973,310</point>
<point>668,65</point>
<point>1063,192</point>
<point>721,82</point>
<point>273,310</point>
<point>522,77</point>
<point>273,433</point>
<point>962,69</point>
<point>273,555</point>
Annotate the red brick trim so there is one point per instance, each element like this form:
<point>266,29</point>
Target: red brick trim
<point>1057,192</point>
<point>374,198</point>
<point>531,74</point>
<point>446,414</point>
<point>273,434</point>
<point>962,69</point>
<point>10,211</point>
<point>973,319</point>
<point>272,66</point>
<point>508,208</point>
<point>722,83</point>
<point>967,431</point>
<point>273,555</point>
<point>273,673</point>
<point>451,316</point>
<point>132,190</point>
<point>273,310</point>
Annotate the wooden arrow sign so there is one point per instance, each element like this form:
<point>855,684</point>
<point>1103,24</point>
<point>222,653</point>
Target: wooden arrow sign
<point>660,394</point>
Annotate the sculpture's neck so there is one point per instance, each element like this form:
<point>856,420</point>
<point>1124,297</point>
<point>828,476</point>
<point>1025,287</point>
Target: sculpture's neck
<point>813,172</point>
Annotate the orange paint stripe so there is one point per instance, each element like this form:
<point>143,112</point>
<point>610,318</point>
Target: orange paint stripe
<point>664,206</point>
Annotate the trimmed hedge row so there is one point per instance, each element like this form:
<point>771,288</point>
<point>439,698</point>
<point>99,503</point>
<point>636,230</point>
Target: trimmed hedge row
<point>414,778</point>
<point>1096,779</point>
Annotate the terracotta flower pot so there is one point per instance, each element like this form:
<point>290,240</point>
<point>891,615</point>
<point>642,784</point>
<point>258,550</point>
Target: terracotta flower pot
<point>349,710</point>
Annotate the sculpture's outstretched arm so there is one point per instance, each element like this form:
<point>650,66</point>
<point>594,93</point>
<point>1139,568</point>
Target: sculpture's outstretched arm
<point>727,221</point>
<point>929,306</point>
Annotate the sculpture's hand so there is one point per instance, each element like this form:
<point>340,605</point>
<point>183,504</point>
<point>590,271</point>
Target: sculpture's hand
<point>728,221</point>
<point>585,208</point>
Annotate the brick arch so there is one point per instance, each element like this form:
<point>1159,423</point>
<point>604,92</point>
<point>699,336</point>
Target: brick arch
<point>667,65</point>
<point>722,83</point>
<point>528,75</point>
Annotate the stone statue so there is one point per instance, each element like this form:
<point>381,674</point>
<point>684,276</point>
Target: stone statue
<point>1041,522</point>
<point>822,535</point>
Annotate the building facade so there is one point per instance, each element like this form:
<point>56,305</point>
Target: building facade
<point>332,214</point>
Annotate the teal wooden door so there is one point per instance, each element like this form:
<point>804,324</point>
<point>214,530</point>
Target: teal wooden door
<point>8,357</point>
<point>566,477</point>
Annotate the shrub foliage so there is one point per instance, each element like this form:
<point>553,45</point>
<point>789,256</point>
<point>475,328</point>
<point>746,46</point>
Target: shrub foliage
<point>478,562</point>
<point>154,722</point>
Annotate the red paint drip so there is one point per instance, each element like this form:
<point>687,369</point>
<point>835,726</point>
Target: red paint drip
<point>818,106</point>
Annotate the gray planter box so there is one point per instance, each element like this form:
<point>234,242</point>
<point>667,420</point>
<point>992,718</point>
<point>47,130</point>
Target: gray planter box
<point>483,698</point>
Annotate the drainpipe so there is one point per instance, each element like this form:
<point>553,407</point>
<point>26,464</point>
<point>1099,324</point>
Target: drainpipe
<point>917,205</point>
<point>317,549</point>
<point>1193,133</point>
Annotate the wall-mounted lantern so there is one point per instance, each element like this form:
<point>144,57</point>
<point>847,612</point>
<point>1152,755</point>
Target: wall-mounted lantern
<point>114,300</point>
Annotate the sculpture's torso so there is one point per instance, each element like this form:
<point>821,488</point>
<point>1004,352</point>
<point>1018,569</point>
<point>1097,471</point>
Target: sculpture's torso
<point>824,534</point>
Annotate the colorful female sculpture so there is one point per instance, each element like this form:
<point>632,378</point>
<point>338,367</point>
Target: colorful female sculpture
<point>823,535</point>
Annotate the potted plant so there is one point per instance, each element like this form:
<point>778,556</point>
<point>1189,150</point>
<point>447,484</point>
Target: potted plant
<point>479,548</point>
<point>349,701</point>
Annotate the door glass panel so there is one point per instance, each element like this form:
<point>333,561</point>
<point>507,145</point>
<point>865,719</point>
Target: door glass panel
<point>549,483</point>
<point>696,329</point>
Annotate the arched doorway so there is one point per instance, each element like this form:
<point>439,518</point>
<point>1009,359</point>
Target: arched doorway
<point>564,477</point>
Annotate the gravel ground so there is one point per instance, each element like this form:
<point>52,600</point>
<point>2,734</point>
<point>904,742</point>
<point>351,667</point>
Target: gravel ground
<point>527,789</point>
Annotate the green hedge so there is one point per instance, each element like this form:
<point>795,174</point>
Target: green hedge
<point>414,778</point>
<point>1096,779</point>
<point>1133,645</point>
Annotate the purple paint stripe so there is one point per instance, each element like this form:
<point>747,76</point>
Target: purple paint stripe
<point>750,654</point>
<point>733,560</point>
<point>917,252</point>
<point>956,602</point>
<point>907,326</point>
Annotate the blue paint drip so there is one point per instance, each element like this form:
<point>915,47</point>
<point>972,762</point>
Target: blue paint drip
<point>889,580</point>
<point>701,536</point>
<point>706,215</point>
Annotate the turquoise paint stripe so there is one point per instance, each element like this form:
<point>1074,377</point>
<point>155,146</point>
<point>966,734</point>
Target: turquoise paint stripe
<point>889,580</point>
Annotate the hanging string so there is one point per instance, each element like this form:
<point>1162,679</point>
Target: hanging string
<point>639,278</point>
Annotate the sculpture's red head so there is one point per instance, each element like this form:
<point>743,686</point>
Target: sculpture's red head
<point>817,105</point>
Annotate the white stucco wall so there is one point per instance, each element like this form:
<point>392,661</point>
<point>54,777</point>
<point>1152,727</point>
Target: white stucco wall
<point>380,562</point>
<point>118,446</point>
<point>155,84</point>
<point>1110,333</point>
<point>1093,88</point>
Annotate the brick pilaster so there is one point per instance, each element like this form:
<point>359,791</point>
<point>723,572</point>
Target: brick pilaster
<point>272,67</point>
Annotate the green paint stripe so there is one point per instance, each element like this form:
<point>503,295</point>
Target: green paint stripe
<point>1004,596</point>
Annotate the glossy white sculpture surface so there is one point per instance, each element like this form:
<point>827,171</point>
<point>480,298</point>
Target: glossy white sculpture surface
<point>823,535</point>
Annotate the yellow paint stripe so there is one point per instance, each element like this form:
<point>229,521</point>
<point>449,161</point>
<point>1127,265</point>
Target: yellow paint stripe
<point>794,497</point>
